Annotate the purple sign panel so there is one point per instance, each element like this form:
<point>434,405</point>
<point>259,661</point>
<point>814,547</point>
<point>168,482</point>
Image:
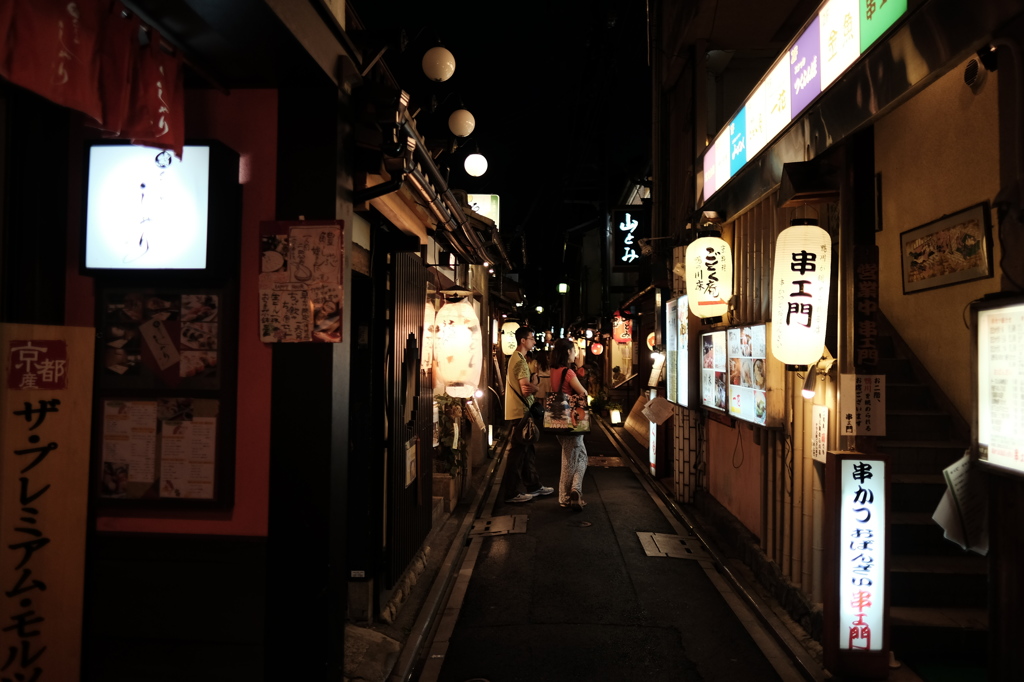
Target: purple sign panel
<point>805,63</point>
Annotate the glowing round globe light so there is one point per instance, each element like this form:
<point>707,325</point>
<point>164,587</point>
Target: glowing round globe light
<point>476,165</point>
<point>461,123</point>
<point>596,348</point>
<point>458,348</point>
<point>438,64</point>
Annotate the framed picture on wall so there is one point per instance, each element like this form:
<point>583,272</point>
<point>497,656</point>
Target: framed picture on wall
<point>951,250</point>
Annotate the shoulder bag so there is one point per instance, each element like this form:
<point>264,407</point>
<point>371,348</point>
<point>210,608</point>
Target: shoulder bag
<point>565,412</point>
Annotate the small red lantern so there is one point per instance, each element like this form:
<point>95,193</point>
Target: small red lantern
<point>596,348</point>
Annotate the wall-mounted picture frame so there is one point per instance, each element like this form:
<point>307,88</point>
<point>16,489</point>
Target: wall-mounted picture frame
<point>954,249</point>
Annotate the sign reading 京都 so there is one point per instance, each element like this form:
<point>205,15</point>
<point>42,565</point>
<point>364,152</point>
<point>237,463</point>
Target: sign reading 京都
<point>628,228</point>
<point>800,285</point>
<point>834,38</point>
<point>46,406</point>
<point>862,557</point>
<point>709,276</point>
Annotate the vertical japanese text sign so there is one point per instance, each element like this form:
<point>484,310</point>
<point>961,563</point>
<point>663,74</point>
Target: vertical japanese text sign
<point>46,404</point>
<point>628,227</point>
<point>801,279</point>
<point>856,608</point>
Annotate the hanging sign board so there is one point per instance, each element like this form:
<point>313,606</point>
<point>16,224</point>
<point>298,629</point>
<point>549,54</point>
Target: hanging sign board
<point>856,599</point>
<point>46,407</point>
<point>862,404</point>
<point>628,227</point>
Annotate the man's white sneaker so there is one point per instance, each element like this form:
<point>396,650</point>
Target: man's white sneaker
<point>543,490</point>
<point>521,497</point>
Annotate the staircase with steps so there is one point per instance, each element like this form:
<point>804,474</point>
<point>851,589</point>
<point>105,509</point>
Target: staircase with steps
<point>938,595</point>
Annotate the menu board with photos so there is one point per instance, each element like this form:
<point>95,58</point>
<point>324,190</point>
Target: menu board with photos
<point>999,432</point>
<point>713,372</point>
<point>747,364</point>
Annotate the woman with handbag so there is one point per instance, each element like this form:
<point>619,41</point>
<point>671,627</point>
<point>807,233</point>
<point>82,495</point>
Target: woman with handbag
<point>574,452</point>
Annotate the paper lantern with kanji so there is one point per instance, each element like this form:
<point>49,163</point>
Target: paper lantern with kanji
<point>800,286</point>
<point>622,329</point>
<point>457,348</point>
<point>709,276</point>
<point>508,337</point>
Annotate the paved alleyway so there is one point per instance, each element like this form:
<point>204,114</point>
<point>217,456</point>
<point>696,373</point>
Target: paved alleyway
<point>576,598</point>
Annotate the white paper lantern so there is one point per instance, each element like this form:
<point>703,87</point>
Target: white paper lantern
<point>458,348</point>
<point>476,165</point>
<point>800,285</point>
<point>439,64</point>
<point>709,276</point>
<point>508,337</point>
<point>461,123</point>
<point>427,354</point>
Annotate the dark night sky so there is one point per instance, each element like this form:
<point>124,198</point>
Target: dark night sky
<point>561,96</point>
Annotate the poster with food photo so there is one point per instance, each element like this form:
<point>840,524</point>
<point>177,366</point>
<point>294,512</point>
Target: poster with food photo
<point>747,358</point>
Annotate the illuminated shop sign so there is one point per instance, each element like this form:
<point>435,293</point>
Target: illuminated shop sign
<point>487,205</point>
<point>628,227</point>
<point>834,38</point>
<point>862,556</point>
<point>683,352</point>
<point>999,384</point>
<point>671,346</point>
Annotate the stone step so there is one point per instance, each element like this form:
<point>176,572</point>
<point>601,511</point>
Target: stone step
<point>915,424</point>
<point>958,633</point>
<point>925,581</point>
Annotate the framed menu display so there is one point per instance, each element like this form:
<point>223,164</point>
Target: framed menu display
<point>164,404</point>
<point>998,373</point>
<point>748,361</point>
<point>713,370</point>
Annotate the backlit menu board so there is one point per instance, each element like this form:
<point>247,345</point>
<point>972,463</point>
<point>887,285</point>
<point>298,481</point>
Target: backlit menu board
<point>713,374</point>
<point>677,351</point>
<point>747,363</point>
<point>671,363</point>
<point>999,368</point>
<point>832,40</point>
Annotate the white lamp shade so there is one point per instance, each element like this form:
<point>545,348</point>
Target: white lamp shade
<point>438,64</point>
<point>800,285</point>
<point>563,288</point>
<point>709,276</point>
<point>461,123</point>
<point>458,348</point>
<point>429,332</point>
<point>508,337</point>
<point>476,165</point>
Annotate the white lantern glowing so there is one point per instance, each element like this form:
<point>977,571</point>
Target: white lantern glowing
<point>476,165</point>
<point>800,285</point>
<point>709,276</point>
<point>427,352</point>
<point>457,348</point>
<point>461,123</point>
<point>438,64</point>
<point>508,337</point>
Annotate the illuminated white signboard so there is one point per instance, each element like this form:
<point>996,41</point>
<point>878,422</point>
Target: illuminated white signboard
<point>683,353</point>
<point>747,364</point>
<point>832,40</point>
<point>1000,385</point>
<point>713,376</point>
<point>671,350</point>
<point>487,205</point>
<point>862,556</point>
<point>800,286</point>
<point>709,276</point>
<point>627,228</point>
<point>146,209</point>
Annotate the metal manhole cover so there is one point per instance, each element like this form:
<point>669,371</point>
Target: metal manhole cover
<point>603,461</point>
<point>662,544</point>
<point>499,525</point>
